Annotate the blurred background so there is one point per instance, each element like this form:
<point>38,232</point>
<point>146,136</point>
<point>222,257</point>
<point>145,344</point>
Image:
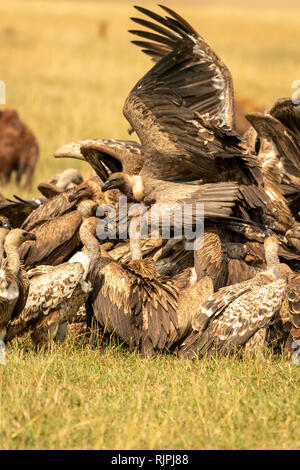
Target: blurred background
<point>69,65</point>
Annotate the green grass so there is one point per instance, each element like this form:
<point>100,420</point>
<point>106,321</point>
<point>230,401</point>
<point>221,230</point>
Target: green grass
<point>74,397</point>
<point>69,84</point>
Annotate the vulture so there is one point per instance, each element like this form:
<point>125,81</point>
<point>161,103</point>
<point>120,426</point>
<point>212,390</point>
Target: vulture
<point>5,227</point>
<point>56,293</point>
<point>13,281</point>
<point>54,207</point>
<point>67,179</point>
<point>278,146</point>
<point>56,238</point>
<point>146,310</point>
<point>60,182</point>
<point>106,155</point>
<point>19,210</point>
<point>182,112</point>
<point>237,317</point>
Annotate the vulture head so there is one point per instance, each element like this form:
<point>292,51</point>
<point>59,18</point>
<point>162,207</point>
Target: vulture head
<point>67,179</point>
<point>18,236</point>
<point>4,223</point>
<point>87,190</point>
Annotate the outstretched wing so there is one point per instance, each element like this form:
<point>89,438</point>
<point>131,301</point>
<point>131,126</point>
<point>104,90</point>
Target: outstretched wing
<point>284,143</point>
<point>115,155</point>
<point>203,80</point>
<point>105,155</point>
<point>182,140</point>
<point>288,113</point>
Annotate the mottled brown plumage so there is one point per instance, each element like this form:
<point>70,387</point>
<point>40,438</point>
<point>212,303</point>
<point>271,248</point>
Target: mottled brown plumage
<point>278,144</point>
<point>13,282</point>
<point>144,309</point>
<point>235,314</point>
<point>105,155</point>
<point>56,238</point>
<point>206,85</point>
<point>55,295</point>
<point>54,207</point>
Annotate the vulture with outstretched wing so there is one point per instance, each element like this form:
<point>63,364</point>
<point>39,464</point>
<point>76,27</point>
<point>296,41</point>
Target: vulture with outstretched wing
<point>181,112</point>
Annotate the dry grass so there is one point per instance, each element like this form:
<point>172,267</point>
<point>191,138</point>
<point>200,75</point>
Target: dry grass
<point>69,83</point>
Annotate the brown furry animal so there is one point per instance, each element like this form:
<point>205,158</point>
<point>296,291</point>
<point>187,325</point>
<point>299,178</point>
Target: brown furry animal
<point>19,149</point>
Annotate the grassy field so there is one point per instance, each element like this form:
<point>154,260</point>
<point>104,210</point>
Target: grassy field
<point>69,83</point>
<point>76,398</point>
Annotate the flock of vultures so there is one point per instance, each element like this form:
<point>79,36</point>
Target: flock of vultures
<point>236,293</point>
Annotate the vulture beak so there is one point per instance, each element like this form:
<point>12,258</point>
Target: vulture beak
<point>108,185</point>
<point>29,236</point>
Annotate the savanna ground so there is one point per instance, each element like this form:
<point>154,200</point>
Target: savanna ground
<point>69,83</point>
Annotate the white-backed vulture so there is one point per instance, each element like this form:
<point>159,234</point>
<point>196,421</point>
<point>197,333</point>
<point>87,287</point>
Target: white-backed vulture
<point>55,295</point>
<point>13,281</point>
<point>237,317</point>
<point>179,112</point>
<point>67,179</point>
<point>60,182</point>
<point>208,85</point>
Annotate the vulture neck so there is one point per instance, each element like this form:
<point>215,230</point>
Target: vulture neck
<point>134,186</point>
<point>3,233</point>
<point>88,239</point>
<point>11,246</point>
<point>135,239</point>
<point>271,254</point>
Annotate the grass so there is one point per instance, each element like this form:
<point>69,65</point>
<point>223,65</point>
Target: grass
<point>74,397</point>
<point>68,83</point>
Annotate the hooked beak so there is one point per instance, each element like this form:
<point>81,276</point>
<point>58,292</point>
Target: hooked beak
<point>106,186</point>
<point>30,236</point>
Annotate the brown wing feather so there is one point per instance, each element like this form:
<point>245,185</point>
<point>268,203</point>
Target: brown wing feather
<point>246,313</point>
<point>56,239</point>
<point>199,62</point>
<point>55,207</point>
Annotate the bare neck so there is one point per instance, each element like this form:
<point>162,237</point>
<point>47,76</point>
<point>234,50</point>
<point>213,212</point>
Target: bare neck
<point>3,233</point>
<point>12,255</point>
<point>272,259</point>
<point>90,241</point>
<point>135,239</point>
